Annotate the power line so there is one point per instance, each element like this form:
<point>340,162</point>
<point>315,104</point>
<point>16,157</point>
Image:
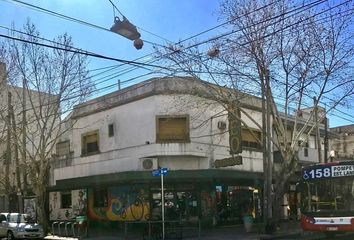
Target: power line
<point>310,5</point>
<point>68,18</point>
<point>227,22</point>
<point>56,14</point>
<point>165,39</point>
<point>139,64</point>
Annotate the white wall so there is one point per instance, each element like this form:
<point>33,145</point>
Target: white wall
<point>135,137</point>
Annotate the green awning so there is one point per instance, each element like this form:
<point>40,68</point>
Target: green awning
<point>146,176</point>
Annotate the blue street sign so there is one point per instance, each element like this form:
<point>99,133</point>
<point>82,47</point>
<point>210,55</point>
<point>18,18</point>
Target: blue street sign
<point>159,172</point>
<point>164,171</point>
<point>156,173</point>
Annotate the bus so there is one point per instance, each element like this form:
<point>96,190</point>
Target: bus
<point>327,197</point>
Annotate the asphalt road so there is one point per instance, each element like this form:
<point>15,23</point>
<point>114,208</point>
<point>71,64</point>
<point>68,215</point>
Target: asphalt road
<point>347,236</point>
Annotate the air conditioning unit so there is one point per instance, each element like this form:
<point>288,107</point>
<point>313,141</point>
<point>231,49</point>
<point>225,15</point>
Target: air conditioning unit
<point>146,164</point>
<point>222,125</point>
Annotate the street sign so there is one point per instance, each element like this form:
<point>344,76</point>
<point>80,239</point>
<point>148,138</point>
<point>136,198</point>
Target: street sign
<point>159,172</point>
<point>156,173</point>
<point>164,171</point>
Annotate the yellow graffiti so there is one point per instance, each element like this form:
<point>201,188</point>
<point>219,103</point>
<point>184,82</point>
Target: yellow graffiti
<point>118,212</point>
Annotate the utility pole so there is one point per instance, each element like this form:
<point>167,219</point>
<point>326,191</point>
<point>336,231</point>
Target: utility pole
<point>8,150</point>
<point>24,136</point>
<point>269,147</point>
<point>264,151</point>
<point>318,139</point>
<point>17,163</point>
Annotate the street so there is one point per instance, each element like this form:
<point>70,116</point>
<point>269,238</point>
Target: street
<point>346,236</point>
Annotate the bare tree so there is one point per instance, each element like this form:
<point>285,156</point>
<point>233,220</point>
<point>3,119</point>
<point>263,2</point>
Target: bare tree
<point>45,83</point>
<point>285,52</point>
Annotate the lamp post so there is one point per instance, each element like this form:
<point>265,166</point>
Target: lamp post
<point>127,30</point>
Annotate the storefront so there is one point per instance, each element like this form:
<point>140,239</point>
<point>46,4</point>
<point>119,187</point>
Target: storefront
<point>213,196</point>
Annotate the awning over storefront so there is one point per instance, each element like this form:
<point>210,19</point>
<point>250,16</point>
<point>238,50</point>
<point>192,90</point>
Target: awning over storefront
<point>146,176</point>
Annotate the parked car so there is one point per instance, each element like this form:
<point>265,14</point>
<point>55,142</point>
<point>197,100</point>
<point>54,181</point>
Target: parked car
<point>18,225</point>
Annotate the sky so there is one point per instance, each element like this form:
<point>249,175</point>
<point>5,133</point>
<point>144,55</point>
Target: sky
<point>171,20</point>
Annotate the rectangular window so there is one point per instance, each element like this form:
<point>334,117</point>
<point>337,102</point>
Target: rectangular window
<point>66,200</point>
<point>306,150</point>
<point>63,148</point>
<point>251,140</point>
<point>110,130</point>
<point>90,143</point>
<point>100,198</point>
<point>172,129</point>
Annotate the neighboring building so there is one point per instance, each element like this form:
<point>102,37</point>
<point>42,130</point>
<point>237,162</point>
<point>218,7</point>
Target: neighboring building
<point>343,145</point>
<point>103,166</point>
<point>15,191</point>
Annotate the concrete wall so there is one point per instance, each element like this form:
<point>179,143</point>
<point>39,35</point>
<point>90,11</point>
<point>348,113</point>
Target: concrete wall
<point>135,137</point>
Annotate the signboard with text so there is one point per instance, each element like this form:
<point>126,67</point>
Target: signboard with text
<point>328,171</point>
<point>231,161</point>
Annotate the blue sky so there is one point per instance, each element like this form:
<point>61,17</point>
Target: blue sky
<point>171,19</point>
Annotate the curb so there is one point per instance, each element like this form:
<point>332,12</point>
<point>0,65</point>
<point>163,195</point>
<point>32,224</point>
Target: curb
<point>53,237</point>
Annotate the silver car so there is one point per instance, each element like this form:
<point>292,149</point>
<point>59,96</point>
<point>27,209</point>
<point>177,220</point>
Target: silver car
<point>17,225</point>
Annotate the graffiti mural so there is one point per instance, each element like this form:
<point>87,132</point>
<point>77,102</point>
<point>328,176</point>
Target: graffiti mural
<point>73,204</point>
<point>123,204</point>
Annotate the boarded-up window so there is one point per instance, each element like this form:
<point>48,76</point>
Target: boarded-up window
<point>172,129</point>
<point>249,140</point>
<point>63,148</point>
<point>90,143</point>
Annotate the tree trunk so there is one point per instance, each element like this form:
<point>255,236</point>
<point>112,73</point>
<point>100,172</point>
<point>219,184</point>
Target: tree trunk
<point>279,192</point>
<point>41,207</point>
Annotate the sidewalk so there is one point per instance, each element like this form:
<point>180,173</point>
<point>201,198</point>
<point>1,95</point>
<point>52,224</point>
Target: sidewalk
<point>289,229</point>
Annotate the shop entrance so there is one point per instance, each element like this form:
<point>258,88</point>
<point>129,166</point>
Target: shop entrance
<point>233,202</point>
<point>180,203</point>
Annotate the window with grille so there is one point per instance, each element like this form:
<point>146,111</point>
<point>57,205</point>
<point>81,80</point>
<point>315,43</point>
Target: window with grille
<point>63,148</point>
<point>90,143</point>
<point>250,140</point>
<point>172,129</point>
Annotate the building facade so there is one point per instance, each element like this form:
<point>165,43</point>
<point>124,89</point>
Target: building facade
<point>103,165</point>
<point>20,138</point>
<point>343,143</point>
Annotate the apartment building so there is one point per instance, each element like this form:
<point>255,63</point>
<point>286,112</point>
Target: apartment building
<point>103,166</point>
<point>343,143</point>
